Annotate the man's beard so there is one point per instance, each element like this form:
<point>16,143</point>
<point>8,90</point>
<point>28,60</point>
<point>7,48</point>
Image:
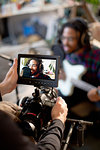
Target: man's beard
<point>68,50</point>
<point>34,73</point>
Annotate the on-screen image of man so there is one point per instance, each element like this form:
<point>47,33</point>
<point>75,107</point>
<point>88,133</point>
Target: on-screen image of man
<point>34,69</point>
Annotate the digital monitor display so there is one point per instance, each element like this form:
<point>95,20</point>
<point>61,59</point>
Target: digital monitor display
<point>38,70</point>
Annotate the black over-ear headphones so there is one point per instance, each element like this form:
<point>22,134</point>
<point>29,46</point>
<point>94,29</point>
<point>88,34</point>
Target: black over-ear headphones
<point>40,66</point>
<point>81,25</point>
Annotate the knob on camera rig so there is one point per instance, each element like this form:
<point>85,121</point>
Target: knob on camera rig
<point>36,111</point>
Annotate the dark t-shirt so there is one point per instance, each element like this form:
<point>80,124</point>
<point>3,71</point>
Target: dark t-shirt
<point>42,76</point>
<point>27,74</point>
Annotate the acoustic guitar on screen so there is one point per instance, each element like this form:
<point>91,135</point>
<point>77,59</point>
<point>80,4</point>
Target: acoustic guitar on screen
<point>73,75</point>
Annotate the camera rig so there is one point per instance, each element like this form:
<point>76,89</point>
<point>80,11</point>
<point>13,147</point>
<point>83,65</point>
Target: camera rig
<point>36,115</point>
<point>36,112</point>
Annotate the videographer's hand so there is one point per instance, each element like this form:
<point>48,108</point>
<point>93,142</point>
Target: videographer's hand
<point>60,110</point>
<point>11,109</point>
<point>10,81</point>
<point>62,75</point>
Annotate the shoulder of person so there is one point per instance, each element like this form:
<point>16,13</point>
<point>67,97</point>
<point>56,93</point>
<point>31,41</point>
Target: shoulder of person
<point>95,48</point>
<point>96,51</point>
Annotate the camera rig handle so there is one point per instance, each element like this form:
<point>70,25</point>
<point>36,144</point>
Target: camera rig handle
<point>81,126</point>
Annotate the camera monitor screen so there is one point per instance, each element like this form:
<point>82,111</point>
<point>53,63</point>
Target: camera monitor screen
<point>38,70</point>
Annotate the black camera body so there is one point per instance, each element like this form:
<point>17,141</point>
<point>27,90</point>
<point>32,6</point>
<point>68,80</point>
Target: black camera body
<point>36,110</point>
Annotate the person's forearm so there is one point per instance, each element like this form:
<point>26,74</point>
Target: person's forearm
<point>2,89</point>
<point>51,139</point>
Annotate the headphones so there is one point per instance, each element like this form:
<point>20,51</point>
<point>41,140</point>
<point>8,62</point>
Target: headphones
<point>40,66</point>
<point>83,29</point>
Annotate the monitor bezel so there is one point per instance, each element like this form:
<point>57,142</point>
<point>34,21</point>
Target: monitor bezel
<point>39,82</point>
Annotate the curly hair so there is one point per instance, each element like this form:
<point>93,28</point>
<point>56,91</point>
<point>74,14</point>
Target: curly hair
<point>79,25</point>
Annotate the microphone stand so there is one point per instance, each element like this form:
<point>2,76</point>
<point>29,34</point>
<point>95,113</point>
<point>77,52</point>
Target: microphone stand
<point>11,60</point>
<point>80,128</point>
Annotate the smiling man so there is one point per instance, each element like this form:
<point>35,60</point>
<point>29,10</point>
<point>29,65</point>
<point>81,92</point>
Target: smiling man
<point>74,46</point>
<point>34,69</point>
